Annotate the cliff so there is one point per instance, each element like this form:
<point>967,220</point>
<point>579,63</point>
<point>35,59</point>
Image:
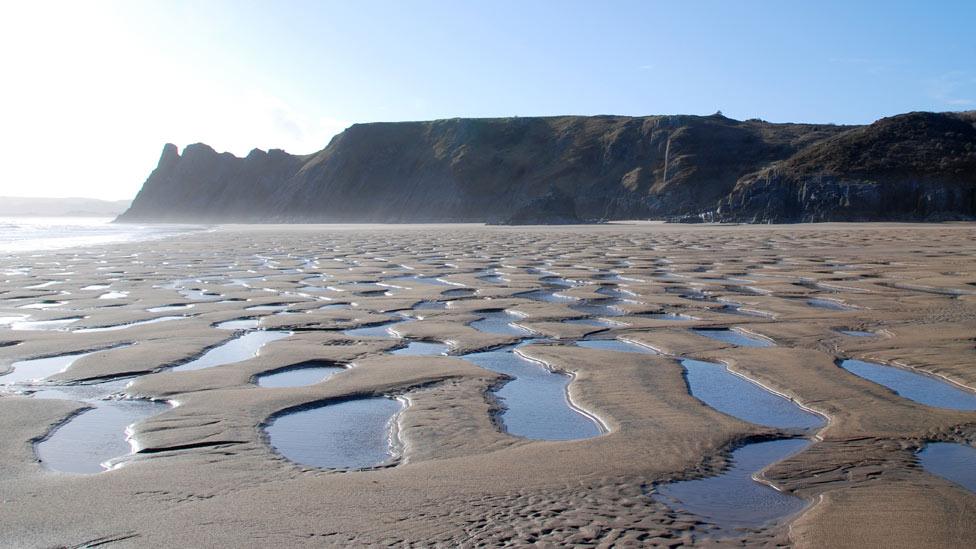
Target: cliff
<point>913,166</point>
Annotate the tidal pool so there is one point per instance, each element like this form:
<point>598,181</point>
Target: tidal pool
<point>168,308</point>
<point>239,324</point>
<point>379,330</point>
<point>431,305</point>
<point>311,289</point>
<point>951,461</point>
<point>858,333</point>
<point>926,389</point>
<point>347,434</point>
<point>334,306</point>
<point>616,292</point>
<point>595,322</point>
<point>36,369</point>
<point>688,293</point>
<point>27,325</point>
<point>417,348</point>
<point>734,337</point>
<point>612,277</point>
<point>299,375</point>
<point>492,278</point>
<point>44,284</point>
<point>500,322</point>
<point>549,296</point>
<point>666,316</point>
<point>602,307</point>
<point>241,348</point>
<point>735,395</point>
<point>7,320</point>
<point>274,307</point>
<point>558,281</point>
<point>618,345</point>
<point>94,287</point>
<point>89,441</point>
<point>737,309</point>
<point>82,392</point>
<point>829,304</point>
<point>733,499</point>
<point>200,295</point>
<point>536,403</point>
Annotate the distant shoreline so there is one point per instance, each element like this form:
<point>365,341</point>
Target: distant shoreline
<point>28,234</point>
<point>20,206</point>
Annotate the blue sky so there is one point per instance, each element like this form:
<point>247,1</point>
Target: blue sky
<point>102,85</point>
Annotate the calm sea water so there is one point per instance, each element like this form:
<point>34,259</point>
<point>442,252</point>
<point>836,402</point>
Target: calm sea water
<point>28,234</point>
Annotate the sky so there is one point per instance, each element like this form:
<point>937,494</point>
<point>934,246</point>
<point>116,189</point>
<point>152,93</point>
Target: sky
<point>92,90</point>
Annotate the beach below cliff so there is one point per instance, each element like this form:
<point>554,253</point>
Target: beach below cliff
<point>194,325</point>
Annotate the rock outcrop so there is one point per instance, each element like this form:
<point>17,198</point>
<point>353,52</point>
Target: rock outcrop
<point>909,167</point>
<point>555,208</point>
<point>914,167</point>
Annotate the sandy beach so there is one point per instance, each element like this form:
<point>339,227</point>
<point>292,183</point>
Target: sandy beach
<point>205,473</point>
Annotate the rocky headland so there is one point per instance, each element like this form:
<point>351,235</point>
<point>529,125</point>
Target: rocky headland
<point>918,166</point>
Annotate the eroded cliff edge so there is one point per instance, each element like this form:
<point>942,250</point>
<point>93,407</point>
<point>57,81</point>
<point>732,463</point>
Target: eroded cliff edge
<point>915,166</point>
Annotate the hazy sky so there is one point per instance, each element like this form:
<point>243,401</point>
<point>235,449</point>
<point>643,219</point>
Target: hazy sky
<point>92,90</point>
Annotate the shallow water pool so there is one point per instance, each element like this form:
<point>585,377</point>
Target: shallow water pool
<point>348,434</point>
<point>536,402</point>
<point>549,296</point>
<point>829,304</point>
<point>379,330</point>
<point>735,337</point>
<point>666,316</point>
<point>951,461</point>
<point>618,345</point>
<point>36,369</point>
<point>500,322</point>
<point>167,308</point>
<point>733,499</point>
<point>299,375</point>
<point>240,348</point>
<point>716,386</point>
<point>921,388</point>
<point>87,442</point>
<point>419,348</point>
<point>239,324</point>
<point>602,307</point>
<point>858,333</point>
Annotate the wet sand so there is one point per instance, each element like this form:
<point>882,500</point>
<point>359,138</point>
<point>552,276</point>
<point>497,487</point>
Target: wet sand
<point>205,473</point>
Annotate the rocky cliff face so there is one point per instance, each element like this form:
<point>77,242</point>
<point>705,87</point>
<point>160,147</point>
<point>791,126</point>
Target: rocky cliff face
<point>202,185</point>
<point>555,208</point>
<point>915,166</point>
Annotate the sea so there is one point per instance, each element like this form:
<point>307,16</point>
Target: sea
<point>36,234</point>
